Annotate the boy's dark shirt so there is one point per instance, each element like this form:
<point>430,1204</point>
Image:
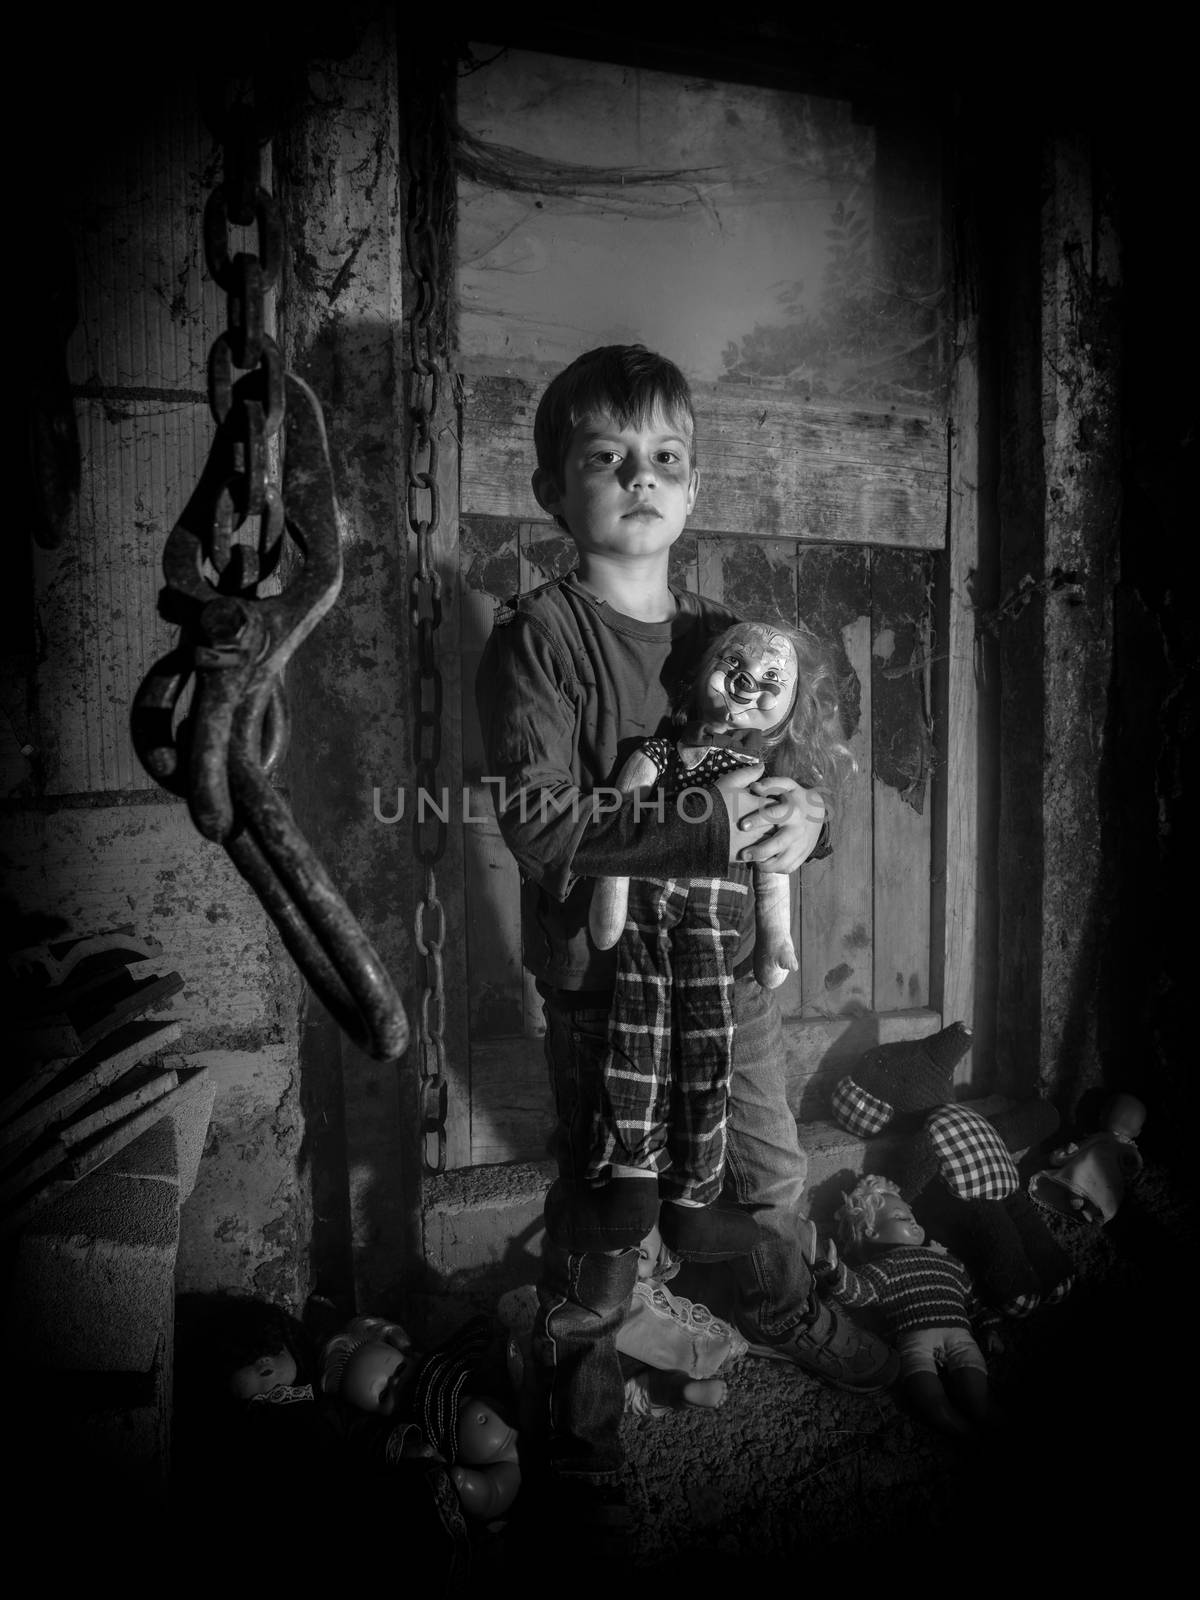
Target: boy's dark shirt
<point>567,689</point>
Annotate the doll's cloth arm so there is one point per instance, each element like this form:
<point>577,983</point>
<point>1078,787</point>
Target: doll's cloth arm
<point>851,1288</point>
<point>561,822</point>
<point>774,952</point>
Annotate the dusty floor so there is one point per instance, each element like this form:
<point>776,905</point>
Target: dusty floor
<point>794,1476</point>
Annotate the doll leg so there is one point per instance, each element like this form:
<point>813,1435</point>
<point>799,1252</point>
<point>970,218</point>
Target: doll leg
<point>921,1383</point>
<point>677,1389</point>
<point>965,1375</point>
<point>970,1391</point>
<point>929,1401</point>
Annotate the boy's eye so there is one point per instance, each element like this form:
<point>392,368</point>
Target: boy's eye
<point>606,457</point>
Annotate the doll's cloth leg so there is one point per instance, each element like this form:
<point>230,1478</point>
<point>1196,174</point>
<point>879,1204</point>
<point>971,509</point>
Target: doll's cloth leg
<point>704,946</point>
<point>637,1059</point>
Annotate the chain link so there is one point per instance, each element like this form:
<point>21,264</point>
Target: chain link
<point>423,511</point>
<point>251,407</point>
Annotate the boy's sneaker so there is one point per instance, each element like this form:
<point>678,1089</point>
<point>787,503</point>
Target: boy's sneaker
<point>833,1349</point>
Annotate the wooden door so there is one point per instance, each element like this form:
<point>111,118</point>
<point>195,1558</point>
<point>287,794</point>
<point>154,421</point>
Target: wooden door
<point>825,497</point>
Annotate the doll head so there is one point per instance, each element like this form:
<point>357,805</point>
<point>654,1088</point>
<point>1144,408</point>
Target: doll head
<point>369,1364</point>
<point>775,680</point>
<point>231,1348</point>
<point>1125,1116</point>
<point>874,1216</point>
<point>908,1075</point>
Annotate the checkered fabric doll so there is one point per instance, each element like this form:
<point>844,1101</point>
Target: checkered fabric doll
<point>761,693</point>
<point>956,1171</point>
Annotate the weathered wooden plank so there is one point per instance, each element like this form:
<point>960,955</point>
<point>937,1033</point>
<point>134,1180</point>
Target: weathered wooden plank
<point>956,886</point>
<point>451,868</point>
<point>488,564</point>
<point>545,553</point>
<point>495,989</point>
<point>901,757</point>
<point>836,914</point>
<point>820,1049</point>
<point>513,1115</point>
<point>758,580</point>
<point>771,466</point>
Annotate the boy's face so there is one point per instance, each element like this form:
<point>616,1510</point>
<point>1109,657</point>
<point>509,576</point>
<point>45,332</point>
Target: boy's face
<point>625,492</point>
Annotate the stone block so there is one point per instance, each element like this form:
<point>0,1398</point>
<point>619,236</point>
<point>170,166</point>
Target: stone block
<point>93,1280</point>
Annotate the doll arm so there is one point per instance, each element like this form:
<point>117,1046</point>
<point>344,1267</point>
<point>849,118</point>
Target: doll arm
<point>842,1283</point>
<point>774,952</point>
<point>487,1491</point>
<point>610,897</point>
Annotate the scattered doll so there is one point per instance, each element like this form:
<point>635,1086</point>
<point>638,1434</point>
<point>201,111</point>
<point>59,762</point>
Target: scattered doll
<point>1087,1180</point>
<point>373,1367</point>
<point>370,1364</point>
<point>251,1413</point>
<point>926,1299</point>
<point>761,693</point>
<point>956,1169</point>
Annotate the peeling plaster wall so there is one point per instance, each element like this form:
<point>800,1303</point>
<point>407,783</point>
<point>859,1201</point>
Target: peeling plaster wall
<point>90,841</point>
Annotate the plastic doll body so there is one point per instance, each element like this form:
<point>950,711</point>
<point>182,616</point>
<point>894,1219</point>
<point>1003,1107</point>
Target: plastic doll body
<point>1087,1180</point>
<point>943,1375</point>
<point>486,1474</point>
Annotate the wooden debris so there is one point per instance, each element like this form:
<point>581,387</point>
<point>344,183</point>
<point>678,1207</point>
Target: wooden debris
<point>92,1074</point>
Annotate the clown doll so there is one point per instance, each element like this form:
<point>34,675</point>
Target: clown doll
<point>761,694</point>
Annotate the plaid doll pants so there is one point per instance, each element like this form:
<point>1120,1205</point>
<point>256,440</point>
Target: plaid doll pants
<point>670,1037</point>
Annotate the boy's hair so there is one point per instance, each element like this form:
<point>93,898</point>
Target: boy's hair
<point>627,381</point>
<point>855,1217</point>
<point>809,746</point>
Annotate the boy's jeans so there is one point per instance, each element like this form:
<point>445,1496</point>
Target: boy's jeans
<point>583,1296</point>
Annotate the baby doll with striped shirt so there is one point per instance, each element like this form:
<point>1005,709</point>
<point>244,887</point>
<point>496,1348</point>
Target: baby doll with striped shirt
<point>926,1299</point>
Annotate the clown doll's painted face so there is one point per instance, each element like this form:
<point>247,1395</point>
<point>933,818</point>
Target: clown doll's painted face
<point>751,683</point>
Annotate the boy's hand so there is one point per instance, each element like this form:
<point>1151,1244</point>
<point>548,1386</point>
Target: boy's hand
<point>796,816</point>
<point>747,822</point>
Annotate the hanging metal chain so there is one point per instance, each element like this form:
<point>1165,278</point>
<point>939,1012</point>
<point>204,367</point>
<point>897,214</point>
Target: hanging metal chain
<point>235,641</point>
<point>426,321</point>
<point>252,408</point>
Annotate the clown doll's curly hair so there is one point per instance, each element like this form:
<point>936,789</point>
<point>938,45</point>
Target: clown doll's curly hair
<point>855,1217</point>
<point>809,746</point>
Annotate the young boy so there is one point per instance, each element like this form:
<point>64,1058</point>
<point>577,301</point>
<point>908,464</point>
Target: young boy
<point>574,677</point>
